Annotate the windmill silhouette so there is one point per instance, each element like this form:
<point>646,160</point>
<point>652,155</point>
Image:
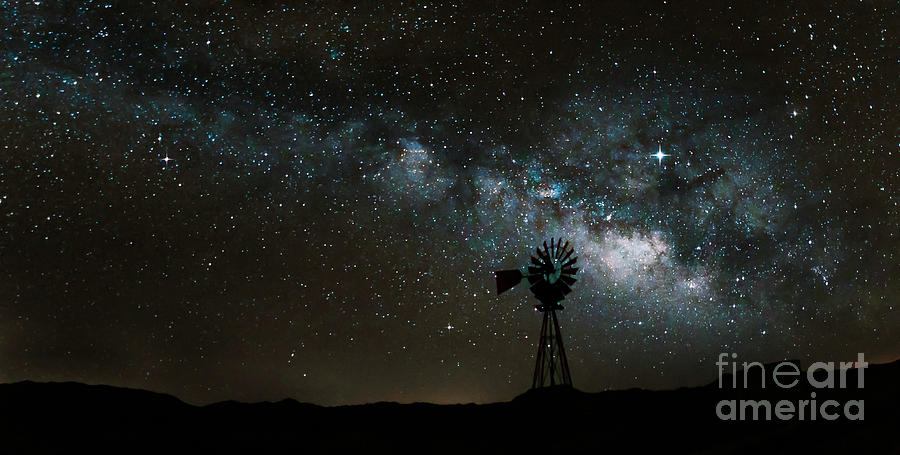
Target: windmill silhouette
<point>551,275</point>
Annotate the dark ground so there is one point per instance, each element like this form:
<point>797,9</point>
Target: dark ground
<point>73,417</point>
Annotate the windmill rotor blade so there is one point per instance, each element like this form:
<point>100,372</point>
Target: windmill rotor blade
<point>545,260</point>
<point>568,254</point>
<point>558,245</point>
<point>567,279</point>
<point>570,270</point>
<point>536,262</point>
<point>563,287</point>
<point>570,262</point>
<point>532,270</point>
<point>557,293</point>
<point>564,248</point>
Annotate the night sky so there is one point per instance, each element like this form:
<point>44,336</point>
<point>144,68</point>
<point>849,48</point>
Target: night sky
<point>252,201</point>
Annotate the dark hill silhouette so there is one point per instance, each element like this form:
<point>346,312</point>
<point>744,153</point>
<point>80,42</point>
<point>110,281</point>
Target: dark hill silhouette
<point>72,417</point>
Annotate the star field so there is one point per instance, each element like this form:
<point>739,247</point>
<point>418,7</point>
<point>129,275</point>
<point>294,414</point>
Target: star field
<point>251,200</point>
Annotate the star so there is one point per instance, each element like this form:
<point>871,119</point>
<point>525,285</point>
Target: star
<point>659,155</point>
<point>167,159</point>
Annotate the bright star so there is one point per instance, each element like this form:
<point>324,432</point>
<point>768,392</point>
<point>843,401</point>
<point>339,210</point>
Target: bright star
<point>659,155</point>
<point>167,159</point>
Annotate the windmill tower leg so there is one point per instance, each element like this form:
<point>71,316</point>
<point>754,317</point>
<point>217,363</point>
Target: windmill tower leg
<point>551,350</point>
<point>551,365</point>
<point>563,361</point>
<point>538,379</point>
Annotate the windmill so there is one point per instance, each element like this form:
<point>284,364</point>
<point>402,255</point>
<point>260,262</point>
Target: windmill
<point>551,275</point>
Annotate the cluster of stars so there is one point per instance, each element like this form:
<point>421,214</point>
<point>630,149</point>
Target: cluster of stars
<point>250,201</point>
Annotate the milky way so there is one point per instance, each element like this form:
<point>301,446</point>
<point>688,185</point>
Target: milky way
<point>248,200</point>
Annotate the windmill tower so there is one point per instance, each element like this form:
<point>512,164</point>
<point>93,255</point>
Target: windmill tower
<point>550,275</point>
